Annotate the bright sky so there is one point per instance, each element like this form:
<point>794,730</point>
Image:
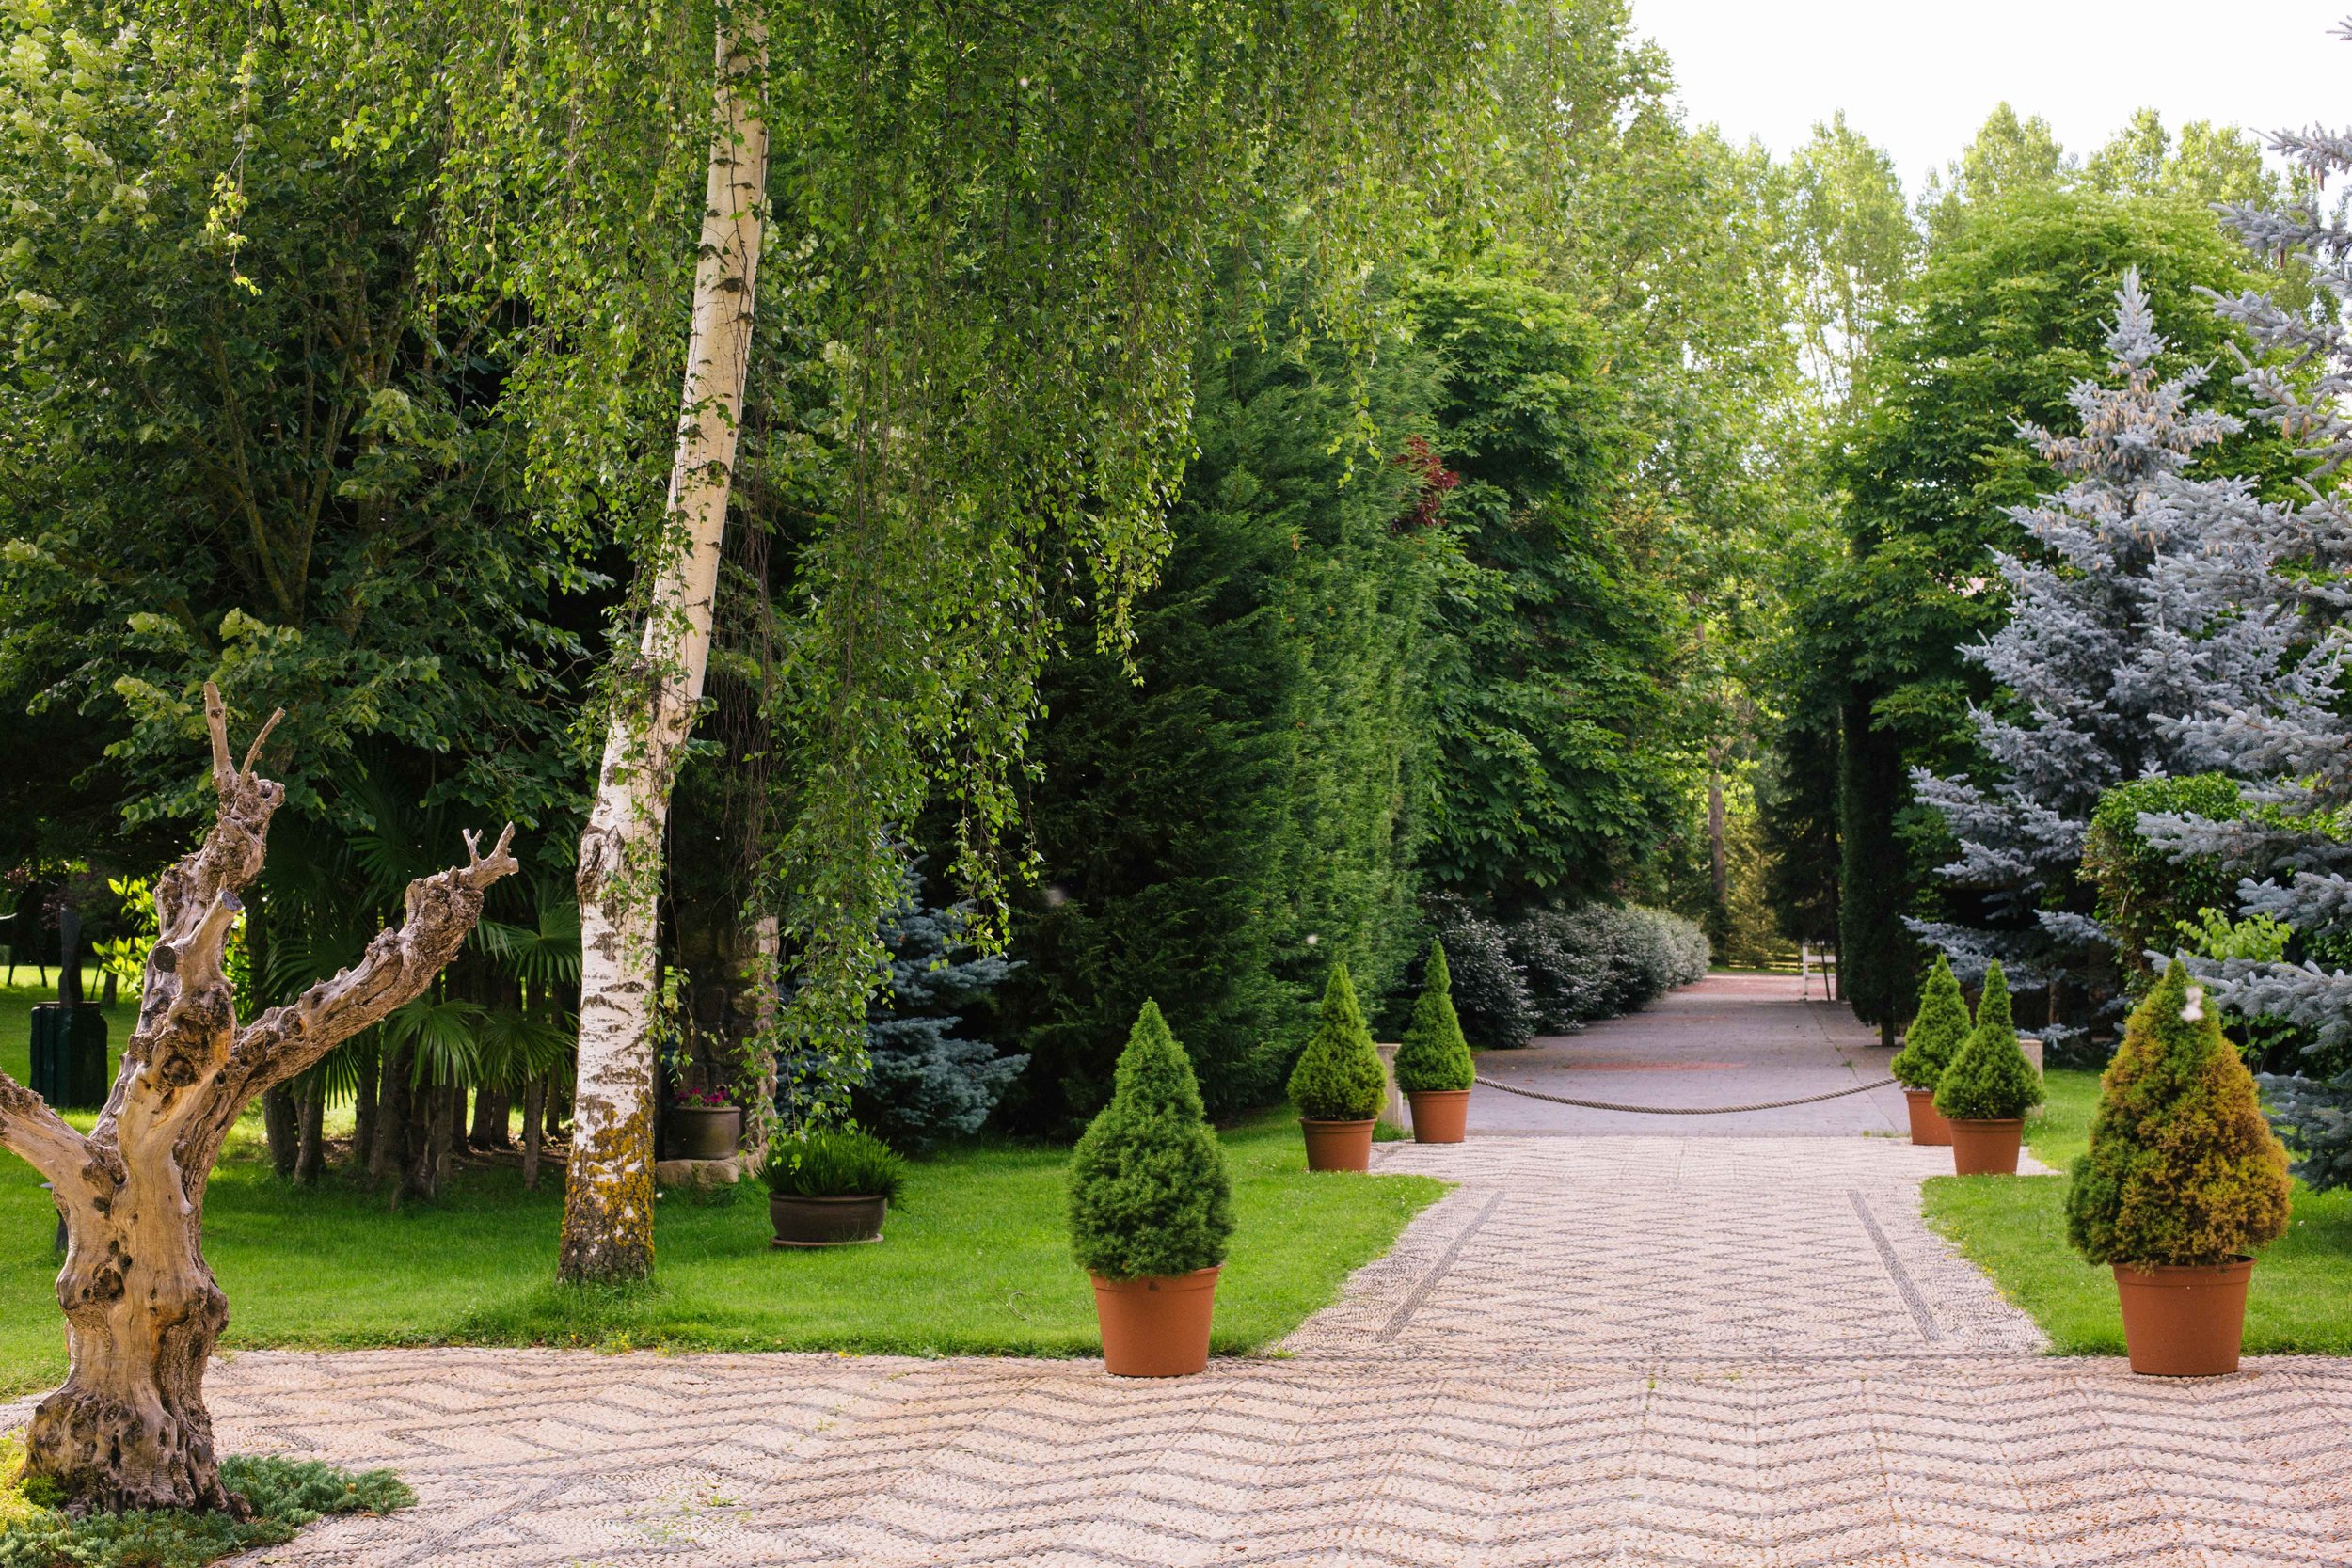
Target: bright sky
<point>1918,78</point>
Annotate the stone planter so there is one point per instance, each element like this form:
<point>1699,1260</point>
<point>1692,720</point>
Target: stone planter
<point>1156,1326</point>
<point>1440,1115</point>
<point>810,1222</point>
<point>2184,1320</point>
<point>1929,1129</point>
<point>704,1131</point>
<point>1338,1144</point>
<point>1986,1147</point>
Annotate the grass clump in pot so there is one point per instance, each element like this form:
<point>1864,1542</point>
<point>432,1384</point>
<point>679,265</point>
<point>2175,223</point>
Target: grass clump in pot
<point>1434,1056</point>
<point>1339,1076</point>
<point>1990,1079</point>
<point>834,1164</point>
<point>1149,1194</point>
<point>2183,1169</point>
<point>1937,1033</point>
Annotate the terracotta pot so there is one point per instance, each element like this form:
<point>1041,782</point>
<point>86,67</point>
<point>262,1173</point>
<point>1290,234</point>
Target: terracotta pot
<point>2186,1320</point>
<point>1986,1147</point>
<point>704,1131</point>
<point>1338,1144</point>
<point>1929,1129</point>
<point>826,1221</point>
<point>1156,1326</point>
<point>1440,1116</point>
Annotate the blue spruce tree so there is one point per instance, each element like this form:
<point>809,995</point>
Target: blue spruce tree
<point>923,1082</point>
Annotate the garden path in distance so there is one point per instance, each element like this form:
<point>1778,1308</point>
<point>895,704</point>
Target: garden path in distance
<point>1718,1350</point>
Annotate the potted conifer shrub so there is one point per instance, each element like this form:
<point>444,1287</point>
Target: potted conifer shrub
<point>1150,1210</point>
<point>2183,1182</point>
<point>1338,1085</point>
<point>1433,1061</point>
<point>1929,1045</point>
<point>1988,1088</point>
<point>831,1188</point>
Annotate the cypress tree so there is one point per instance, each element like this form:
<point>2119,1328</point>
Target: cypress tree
<point>1433,1053</point>
<point>1990,1079</point>
<point>1149,1195</point>
<point>2181,1168</point>
<point>1936,1035</point>
<point>1337,1077</point>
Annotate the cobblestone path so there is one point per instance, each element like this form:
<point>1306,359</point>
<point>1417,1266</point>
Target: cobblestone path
<point>1623,1351</point>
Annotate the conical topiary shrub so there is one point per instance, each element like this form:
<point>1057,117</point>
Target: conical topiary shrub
<point>1147,1191</point>
<point>1433,1062</point>
<point>2183,1182</point>
<point>2183,1169</point>
<point>1434,1054</point>
<point>1935,1035</point>
<point>1988,1088</point>
<point>1150,1210</point>
<point>1339,1079</point>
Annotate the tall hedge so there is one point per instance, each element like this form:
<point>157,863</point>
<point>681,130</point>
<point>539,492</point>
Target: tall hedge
<point>1337,1077</point>
<point>1433,1054</point>
<point>1147,1191</point>
<point>2183,1169</point>
<point>1936,1034</point>
<point>1990,1079</point>
<point>2144,893</point>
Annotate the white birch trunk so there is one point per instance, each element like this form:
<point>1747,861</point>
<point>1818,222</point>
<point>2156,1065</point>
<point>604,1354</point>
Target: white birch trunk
<point>608,1204</point>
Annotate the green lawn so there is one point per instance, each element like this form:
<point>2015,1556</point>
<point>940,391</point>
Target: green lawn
<point>976,1261</point>
<point>2014,1228</point>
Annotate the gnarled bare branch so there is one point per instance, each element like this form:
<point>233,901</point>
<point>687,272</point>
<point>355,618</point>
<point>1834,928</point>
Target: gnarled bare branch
<point>37,1136</point>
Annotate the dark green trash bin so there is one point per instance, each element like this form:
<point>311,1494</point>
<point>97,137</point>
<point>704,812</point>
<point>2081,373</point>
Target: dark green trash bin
<point>69,1055</point>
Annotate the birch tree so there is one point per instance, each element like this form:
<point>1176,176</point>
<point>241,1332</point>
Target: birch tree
<point>128,1428</point>
<point>607,1209</point>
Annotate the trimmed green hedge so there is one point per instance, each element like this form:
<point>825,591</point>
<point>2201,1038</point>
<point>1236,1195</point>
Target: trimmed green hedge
<point>1936,1034</point>
<point>1149,1195</point>
<point>1990,1079</point>
<point>1337,1077</point>
<point>1434,1054</point>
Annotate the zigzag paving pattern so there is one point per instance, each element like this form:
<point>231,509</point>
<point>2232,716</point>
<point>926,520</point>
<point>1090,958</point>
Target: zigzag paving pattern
<point>1608,1350</point>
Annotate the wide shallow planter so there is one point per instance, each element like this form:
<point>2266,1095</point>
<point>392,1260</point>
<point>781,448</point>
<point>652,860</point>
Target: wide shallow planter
<point>826,1221</point>
<point>1928,1127</point>
<point>2185,1321</point>
<point>1338,1144</point>
<point>1986,1147</point>
<point>1440,1116</point>
<point>705,1132</point>
<point>1156,1326</point>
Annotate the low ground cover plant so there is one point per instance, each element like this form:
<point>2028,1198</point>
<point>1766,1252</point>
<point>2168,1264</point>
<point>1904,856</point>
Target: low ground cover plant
<point>1149,1193</point>
<point>834,1164</point>
<point>1339,1077</point>
<point>285,1494</point>
<point>2183,1169</point>
<point>1990,1079</point>
<point>1935,1035</point>
<point>1433,1054</point>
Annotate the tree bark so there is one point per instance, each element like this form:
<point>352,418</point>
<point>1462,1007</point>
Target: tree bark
<point>311,1157</point>
<point>607,1206</point>
<point>281,1125</point>
<point>363,1112</point>
<point>389,1156</point>
<point>491,1108</point>
<point>534,1130</point>
<point>128,1428</point>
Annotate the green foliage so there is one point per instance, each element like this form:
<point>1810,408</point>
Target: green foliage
<point>2145,896</point>
<point>1433,1054</point>
<point>833,1164</point>
<point>1149,1195</point>
<point>1257,779</point>
<point>1990,1079</point>
<point>2183,1169</point>
<point>284,1496</point>
<point>1936,1034</point>
<point>1338,1076</point>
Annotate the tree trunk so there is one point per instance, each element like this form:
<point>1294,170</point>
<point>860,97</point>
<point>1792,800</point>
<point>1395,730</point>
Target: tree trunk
<point>281,1122</point>
<point>389,1156</point>
<point>363,1112</point>
<point>128,1428</point>
<point>491,1110</point>
<point>534,1130</point>
<point>607,1207</point>
<point>311,1161</point>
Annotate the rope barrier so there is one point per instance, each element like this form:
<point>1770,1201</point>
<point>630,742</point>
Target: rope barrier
<point>1682,1109</point>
